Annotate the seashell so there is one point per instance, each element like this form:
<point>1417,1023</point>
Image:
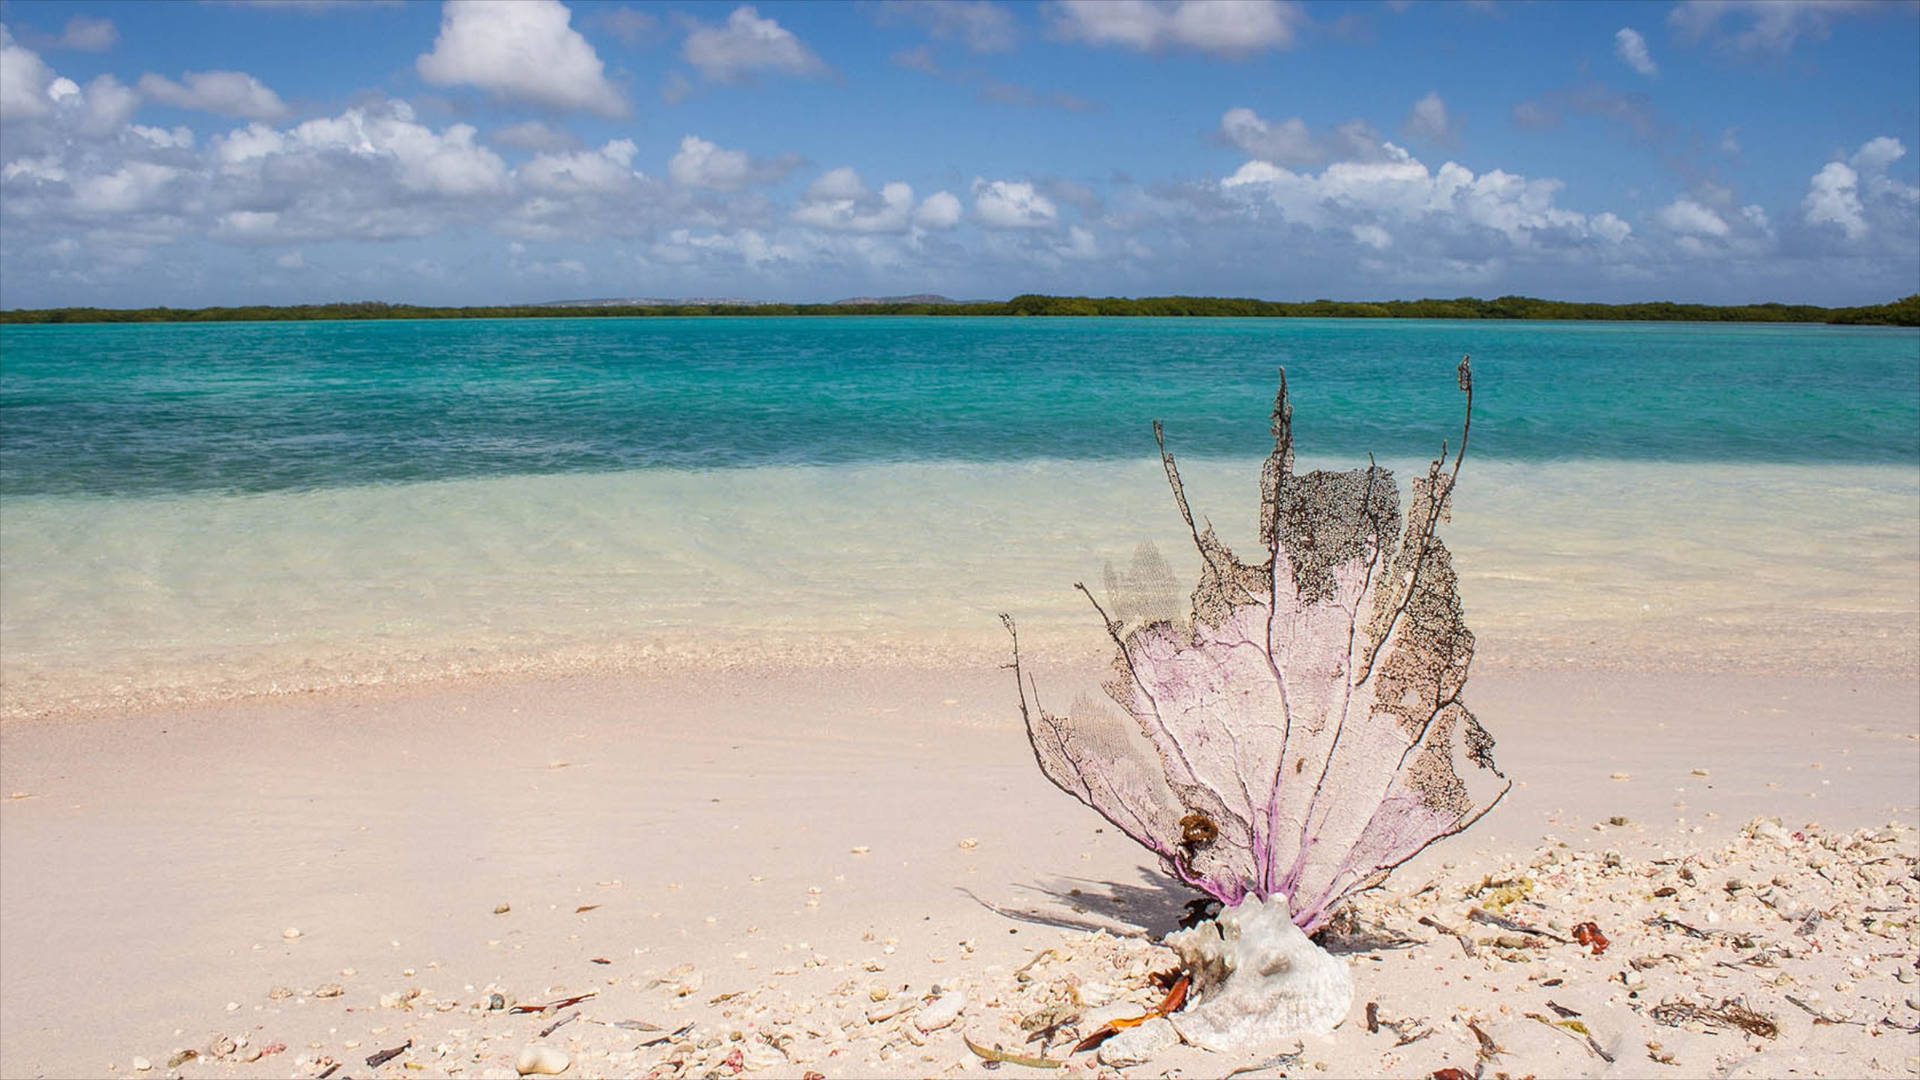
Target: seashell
<point>541,1061</point>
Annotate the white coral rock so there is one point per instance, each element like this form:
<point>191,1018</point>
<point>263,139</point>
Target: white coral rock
<point>1257,979</point>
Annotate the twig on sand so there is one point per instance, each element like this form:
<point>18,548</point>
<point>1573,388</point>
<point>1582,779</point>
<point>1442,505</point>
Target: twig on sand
<point>1466,944</point>
<point>1821,1017</point>
<point>374,1061</point>
<point>560,1023</point>
<point>1482,915</point>
<point>554,1005</point>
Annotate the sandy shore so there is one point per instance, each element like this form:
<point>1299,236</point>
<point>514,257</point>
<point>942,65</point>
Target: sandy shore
<point>792,861</point>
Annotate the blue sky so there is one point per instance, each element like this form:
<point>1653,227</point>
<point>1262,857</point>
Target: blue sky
<point>496,152</point>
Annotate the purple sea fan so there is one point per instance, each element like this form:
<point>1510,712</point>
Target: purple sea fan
<point>1302,733</point>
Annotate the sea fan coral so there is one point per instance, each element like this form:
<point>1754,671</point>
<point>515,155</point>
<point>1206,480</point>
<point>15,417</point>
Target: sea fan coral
<point>1301,733</point>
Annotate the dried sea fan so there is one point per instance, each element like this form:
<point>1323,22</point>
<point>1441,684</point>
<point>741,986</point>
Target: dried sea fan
<point>1302,733</point>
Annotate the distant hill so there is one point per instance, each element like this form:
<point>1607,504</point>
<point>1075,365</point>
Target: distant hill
<point>913,298</point>
<point>654,301</point>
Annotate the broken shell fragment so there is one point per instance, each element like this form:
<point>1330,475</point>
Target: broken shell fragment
<point>943,1011</point>
<point>538,1060</point>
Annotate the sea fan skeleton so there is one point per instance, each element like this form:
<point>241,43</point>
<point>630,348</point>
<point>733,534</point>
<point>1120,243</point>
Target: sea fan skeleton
<point>1299,736</point>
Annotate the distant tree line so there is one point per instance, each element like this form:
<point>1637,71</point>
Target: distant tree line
<point>1903,312</point>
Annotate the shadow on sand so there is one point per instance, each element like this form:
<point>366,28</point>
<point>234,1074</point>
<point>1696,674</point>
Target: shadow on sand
<point>1152,908</point>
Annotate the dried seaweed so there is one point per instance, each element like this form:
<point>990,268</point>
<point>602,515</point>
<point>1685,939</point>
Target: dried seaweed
<point>1300,731</point>
<point>1727,1014</point>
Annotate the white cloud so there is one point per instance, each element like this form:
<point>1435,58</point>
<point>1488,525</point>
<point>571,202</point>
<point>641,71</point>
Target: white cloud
<point>1428,119</point>
<point>1373,236</point>
<point>1012,204</point>
<point>748,247</point>
<point>1079,244</point>
<point>85,33</point>
<point>109,105</point>
<point>1730,141</point>
<point>292,260</point>
<point>982,25</point>
<point>226,93</point>
<point>1631,48</point>
<point>746,45</point>
<point>1449,208</point>
<point>1287,142</point>
<point>24,78</point>
<point>520,50</point>
<point>703,164</point>
<point>1687,217</point>
<point>134,186</point>
<point>940,210</point>
<point>1765,26</point>
<point>839,202</point>
<point>836,184</point>
<point>606,170</point>
<point>1858,196</point>
<point>1878,153</point>
<point>415,158</point>
<point>180,138</point>
<point>1233,28</point>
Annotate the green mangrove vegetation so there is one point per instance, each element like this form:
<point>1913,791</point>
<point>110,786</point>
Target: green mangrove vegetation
<point>1902,312</point>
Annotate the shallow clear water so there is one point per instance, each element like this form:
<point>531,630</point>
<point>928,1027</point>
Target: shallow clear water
<point>189,510</point>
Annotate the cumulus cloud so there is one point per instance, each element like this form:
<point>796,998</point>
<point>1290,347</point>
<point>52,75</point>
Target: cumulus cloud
<point>1855,194</point>
<point>108,106</point>
<point>1761,26</point>
<point>746,45</point>
<point>1428,119</point>
<point>703,164</point>
<point>226,93</point>
<point>981,25</point>
<point>520,50</point>
<point>1687,217</point>
<point>839,202</point>
<point>1012,204</point>
<point>1375,203</point>
<point>24,79</point>
<point>1232,28</point>
<point>85,33</point>
<point>606,170</point>
<point>941,210</point>
<point>1631,48</point>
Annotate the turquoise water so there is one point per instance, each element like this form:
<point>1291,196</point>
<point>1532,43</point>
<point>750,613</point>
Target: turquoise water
<point>189,512</point>
<point>258,407</point>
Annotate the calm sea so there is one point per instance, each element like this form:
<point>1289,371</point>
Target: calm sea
<point>209,509</point>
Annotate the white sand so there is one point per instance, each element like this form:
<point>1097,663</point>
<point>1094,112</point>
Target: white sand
<point>151,863</point>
